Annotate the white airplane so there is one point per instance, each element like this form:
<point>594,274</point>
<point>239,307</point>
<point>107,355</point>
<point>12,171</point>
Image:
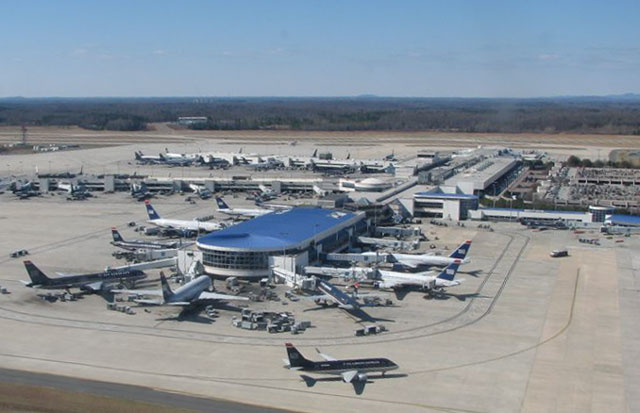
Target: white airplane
<point>458,256</point>
<point>267,192</point>
<point>191,293</point>
<point>201,191</point>
<point>178,224</point>
<point>425,281</point>
<point>240,212</point>
<point>191,156</point>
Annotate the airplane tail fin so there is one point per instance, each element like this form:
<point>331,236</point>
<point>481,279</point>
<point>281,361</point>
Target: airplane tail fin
<point>349,155</point>
<point>150,211</point>
<point>116,235</point>
<point>37,276</point>
<point>314,153</point>
<point>221,204</point>
<point>166,290</point>
<point>296,359</point>
<point>462,250</point>
<point>449,273</point>
<point>138,156</point>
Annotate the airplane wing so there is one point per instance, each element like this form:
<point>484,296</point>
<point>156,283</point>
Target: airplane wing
<point>315,297</point>
<point>96,286</point>
<point>324,356</point>
<point>148,302</point>
<point>138,292</point>
<point>407,264</point>
<point>205,295</point>
<point>348,376</point>
<point>451,283</point>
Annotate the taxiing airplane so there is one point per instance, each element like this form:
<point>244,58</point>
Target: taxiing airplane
<point>458,256</point>
<point>192,226</point>
<point>240,212</point>
<point>354,371</point>
<point>133,245</point>
<point>192,293</point>
<point>94,282</point>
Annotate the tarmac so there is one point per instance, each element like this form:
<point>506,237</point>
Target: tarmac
<point>524,331</point>
<point>127,392</point>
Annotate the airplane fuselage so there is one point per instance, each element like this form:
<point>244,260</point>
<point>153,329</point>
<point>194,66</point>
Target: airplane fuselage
<point>424,280</point>
<point>81,281</point>
<point>239,212</point>
<point>428,260</point>
<point>185,225</point>
<point>191,290</point>
<point>341,298</point>
<point>337,367</point>
<point>134,245</point>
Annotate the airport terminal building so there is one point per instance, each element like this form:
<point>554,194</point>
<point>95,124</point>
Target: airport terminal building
<point>289,239</point>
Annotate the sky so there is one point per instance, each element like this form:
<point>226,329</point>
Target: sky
<point>452,48</point>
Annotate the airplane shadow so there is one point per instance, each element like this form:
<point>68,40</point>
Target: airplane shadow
<point>473,273</point>
<point>358,386</point>
<point>189,316</point>
<point>359,314</point>
<point>446,296</point>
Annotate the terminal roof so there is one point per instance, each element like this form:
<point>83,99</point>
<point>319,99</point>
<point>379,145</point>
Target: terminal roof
<point>277,230</point>
<point>624,219</point>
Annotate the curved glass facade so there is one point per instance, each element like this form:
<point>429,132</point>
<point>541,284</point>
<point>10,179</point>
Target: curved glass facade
<point>599,213</point>
<point>235,260</point>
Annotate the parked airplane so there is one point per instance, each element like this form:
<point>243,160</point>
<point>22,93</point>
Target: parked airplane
<point>133,245</point>
<point>429,281</point>
<point>94,282</point>
<point>74,192</point>
<point>175,161</point>
<point>333,167</point>
<point>344,301</point>
<point>391,156</point>
<point>140,191</point>
<point>270,163</point>
<point>213,161</point>
<point>201,191</point>
<point>23,191</point>
<point>240,212</point>
<point>266,193</point>
<point>192,293</point>
<point>147,159</point>
<point>354,371</point>
<point>59,175</point>
<point>458,256</point>
<point>192,226</point>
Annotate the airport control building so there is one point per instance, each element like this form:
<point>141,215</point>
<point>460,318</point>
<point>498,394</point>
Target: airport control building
<point>290,239</point>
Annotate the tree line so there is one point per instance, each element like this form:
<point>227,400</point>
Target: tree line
<point>577,115</point>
